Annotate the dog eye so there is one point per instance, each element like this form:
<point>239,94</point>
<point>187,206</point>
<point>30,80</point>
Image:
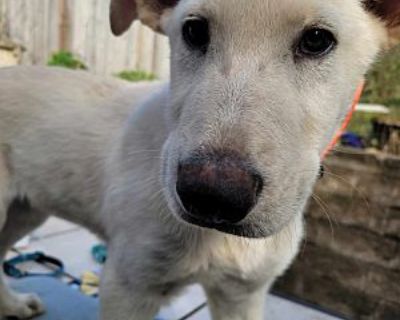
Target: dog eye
<point>196,34</point>
<point>316,42</point>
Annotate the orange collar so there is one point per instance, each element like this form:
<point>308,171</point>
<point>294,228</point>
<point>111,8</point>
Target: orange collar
<point>346,121</point>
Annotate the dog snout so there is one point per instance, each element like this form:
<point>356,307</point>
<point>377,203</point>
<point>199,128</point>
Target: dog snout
<point>217,190</point>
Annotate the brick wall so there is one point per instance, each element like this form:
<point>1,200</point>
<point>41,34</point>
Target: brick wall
<point>351,264</point>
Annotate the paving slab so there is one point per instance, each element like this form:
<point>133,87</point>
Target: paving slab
<point>279,309</point>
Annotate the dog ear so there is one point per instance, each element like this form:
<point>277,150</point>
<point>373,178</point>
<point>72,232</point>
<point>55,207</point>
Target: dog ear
<point>389,12</point>
<point>122,14</point>
<point>150,12</point>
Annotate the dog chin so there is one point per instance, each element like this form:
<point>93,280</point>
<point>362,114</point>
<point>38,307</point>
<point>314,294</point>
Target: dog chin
<point>240,230</point>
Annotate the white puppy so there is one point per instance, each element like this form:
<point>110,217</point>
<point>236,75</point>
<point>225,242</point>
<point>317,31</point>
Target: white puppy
<point>201,180</point>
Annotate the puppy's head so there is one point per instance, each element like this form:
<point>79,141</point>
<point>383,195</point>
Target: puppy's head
<point>258,89</point>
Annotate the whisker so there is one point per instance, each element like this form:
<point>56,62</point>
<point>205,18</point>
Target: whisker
<point>352,187</point>
<point>324,210</point>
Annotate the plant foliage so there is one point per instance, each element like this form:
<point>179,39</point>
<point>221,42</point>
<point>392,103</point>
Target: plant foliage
<point>66,59</point>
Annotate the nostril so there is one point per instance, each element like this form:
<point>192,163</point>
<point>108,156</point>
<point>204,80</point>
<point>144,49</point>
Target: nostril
<point>258,183</point>
<point>218,191</point>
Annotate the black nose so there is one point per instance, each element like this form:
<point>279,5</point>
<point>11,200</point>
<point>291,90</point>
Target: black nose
<point>218,189</point>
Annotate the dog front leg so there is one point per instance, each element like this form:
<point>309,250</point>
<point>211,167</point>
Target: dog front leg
<point>12,304</point>
<point>230,304</point>
<point>123,297</point>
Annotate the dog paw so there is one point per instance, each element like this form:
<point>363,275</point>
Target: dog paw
<point>22,306</point>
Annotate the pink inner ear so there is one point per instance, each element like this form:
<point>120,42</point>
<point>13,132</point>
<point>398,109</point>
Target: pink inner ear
<point>388,10</point>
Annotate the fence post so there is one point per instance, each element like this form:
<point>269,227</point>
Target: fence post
<point>64,27</point>
<point>2,19</point>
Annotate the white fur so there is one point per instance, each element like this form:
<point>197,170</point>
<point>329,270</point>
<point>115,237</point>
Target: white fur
<point>104,154</point>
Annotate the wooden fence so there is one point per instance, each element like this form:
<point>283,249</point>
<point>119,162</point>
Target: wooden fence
<point>82,27</point>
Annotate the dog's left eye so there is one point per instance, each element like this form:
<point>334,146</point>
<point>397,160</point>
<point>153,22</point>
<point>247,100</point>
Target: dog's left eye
<point>196,34</point>
<point>316,42</point>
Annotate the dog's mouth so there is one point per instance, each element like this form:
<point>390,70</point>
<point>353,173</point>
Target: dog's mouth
<point>243,229</point>
<point>236,230</point>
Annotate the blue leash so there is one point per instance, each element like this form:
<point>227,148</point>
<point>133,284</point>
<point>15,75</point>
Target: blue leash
<point>11,269</point>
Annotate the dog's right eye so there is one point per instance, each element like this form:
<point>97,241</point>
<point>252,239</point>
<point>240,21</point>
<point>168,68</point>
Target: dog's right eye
<point>196,34</point>
<point>315,43</point>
